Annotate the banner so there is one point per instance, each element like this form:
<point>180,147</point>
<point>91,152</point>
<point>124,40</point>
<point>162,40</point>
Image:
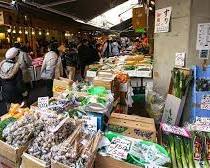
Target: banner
<point>162,20</point>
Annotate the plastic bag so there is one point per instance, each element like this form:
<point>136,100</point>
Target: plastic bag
<point>155,105</point>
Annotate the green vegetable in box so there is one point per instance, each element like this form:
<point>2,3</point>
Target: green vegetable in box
<point>4,124</point>
<point>138,152</point>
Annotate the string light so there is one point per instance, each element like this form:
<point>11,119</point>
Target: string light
<point>20,32</point>
<point>152,2</point>
<point>33,32</point>
<point>40,33</point>
<point>26,31</point>
<point>9,30</point>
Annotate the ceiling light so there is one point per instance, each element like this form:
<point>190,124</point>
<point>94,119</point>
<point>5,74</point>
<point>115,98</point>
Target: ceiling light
<point>26,32</point>
<point>9,30</point>
<point>20,32</point>
<point>14,31</point>
<point>153,2</point>
<point>40,33</point>
<point>150,8</point>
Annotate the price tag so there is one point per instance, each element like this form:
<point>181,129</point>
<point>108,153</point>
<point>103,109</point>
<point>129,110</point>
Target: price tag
<point>145,74</point>
<point>43,103</point>
<point>90,122</point>
<point>175,130</point>
<point>205,102</point>
<point>180,59</point>
<point>91,74</point>
<point>153,166</point>
<point>119,148</point>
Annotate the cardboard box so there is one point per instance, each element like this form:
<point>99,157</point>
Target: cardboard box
<point>29,161</point>
<point>107,83</point>
<point>133,126</point>
<point>108,162</point>
<point>10,155</point>
<point>60,85</point>
<point>174,106</point>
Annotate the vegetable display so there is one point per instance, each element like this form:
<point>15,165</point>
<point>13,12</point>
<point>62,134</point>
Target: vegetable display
<point>180,80</point>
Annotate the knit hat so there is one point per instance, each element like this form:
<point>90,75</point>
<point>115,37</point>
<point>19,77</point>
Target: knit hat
<point>11,53</point>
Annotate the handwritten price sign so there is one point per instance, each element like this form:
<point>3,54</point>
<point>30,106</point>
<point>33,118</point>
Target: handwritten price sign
<point>43,102</point>
<point>205,102</point>
<point>119,148</point>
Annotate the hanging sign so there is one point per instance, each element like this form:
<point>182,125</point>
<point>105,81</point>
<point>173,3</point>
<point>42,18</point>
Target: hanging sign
<point>162,20</point>
<point>180,59</point>
<point>203,36</point>
<point>43,102</point>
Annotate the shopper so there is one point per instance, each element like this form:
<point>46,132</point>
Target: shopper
<point>11,80</point>
<point>84,56</point>
<point>70,61</point>
<point>25,62</point>
<point>49,66</point>
<point>107,49</point>
<point>115,48</point>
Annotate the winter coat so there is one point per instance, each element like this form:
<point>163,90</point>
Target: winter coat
<point>11,81</point>
<point>25,62</point>
<point>50,63</point>
<point>115,48</point>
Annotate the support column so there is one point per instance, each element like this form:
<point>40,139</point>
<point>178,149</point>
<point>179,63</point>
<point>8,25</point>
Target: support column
<point>167,44</point>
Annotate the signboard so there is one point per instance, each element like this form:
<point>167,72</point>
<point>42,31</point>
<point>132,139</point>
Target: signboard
<point>180,59</point>
<point>1,18</point>
<point>162,20</point>
<point>203,36</point>
<point>205,102</point>
<point>43,102</point>
<point>139,19</point>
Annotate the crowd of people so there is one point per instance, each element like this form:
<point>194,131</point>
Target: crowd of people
<point>65,60</point>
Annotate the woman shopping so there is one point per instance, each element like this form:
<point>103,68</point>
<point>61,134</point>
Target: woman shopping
<point>12,89</point>
<point>51,67</point>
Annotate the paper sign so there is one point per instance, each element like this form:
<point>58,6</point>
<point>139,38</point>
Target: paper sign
<point>203,54</point>
<point>162,20</point>
<point>203,36</point>
<point>119,148</point>
<point>90,123</point>
<point>43,102</point>
<point>175,130</point>
<point>180,59</point>
<point>205,102</point>
<point>91,74</point>
<point>171,110</point>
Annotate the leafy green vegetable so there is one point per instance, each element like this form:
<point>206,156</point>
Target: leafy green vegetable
<point>4,124</point>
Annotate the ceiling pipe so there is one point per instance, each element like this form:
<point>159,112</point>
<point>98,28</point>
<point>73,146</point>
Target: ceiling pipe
<point>57,3</point>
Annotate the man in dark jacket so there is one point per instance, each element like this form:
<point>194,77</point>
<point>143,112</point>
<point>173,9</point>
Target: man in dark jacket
<point>84,56</point>
<point>11,79</point>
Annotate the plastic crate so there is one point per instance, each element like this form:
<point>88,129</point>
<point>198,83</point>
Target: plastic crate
<point>198,95</point>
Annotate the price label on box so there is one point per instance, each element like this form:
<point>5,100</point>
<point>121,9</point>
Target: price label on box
<point>119,148</point>
<point>146,74</point>
<point>43,103</point>
<point>205,102</point>
<point>90,122</point>
<point>91,74</point>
